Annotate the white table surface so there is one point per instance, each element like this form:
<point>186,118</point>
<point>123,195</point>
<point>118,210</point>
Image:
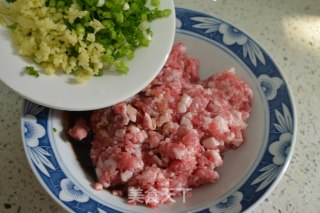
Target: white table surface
<point>289,30</point>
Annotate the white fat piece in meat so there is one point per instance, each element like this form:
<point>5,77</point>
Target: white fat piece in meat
<point>164,118</point>
<point>134,129</point>
<point>179,153</point>
<point>132,113</point>
<point>186,121</point>
<point>212,143</point>
<point>151,124</point>
<point>222,123</point>
<point>120,133</point>
<point>215,154</point>
<point>184,103</point>
<point>125,176</point>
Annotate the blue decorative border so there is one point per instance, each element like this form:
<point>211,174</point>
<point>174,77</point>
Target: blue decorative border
<point>274,161</point>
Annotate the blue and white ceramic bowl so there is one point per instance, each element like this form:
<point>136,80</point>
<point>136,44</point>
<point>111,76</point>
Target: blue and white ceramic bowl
<point>248,174</point>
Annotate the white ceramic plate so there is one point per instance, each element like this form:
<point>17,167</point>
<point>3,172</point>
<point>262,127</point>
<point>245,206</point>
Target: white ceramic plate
<point>60,92</point>
<point>248,174</point>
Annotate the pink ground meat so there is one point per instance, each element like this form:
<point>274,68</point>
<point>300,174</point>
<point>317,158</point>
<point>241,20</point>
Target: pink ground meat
<point>173,133</point>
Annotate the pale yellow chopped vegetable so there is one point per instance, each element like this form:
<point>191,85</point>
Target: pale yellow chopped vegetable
<point>41,33</point>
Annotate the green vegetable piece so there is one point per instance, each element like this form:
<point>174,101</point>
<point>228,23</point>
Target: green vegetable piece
<point>107,15</point>
<point>87,17</point>
<point>77,47</point>
<point>118,17</point>
<point>100,73</point>
<point>52,3</point>
<point>108,24</point>
<point>31,71</point>
<point>155,3</point>
<point>54,129</point>
<point>122,67</point>
<point>134,7</point>
<point>145,42</point>
<point>12,26</point>
<point>91,2</point>
<point>166,13</point>
<point>107,58</point>
<point>130,54</point>
<point>60,4</point>
<point>113,34</point>
<point>75,71</point>
<point>144,17</point>
<point>68,2</point>
<point>80,29</point>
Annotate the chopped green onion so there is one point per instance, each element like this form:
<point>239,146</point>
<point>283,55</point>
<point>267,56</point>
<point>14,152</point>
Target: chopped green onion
<point>91,2</point>
<point>80,29</point>
<point>54,129</point>
<point>75,71</point>
<point>155,3</point>
<point>87,17</point>
<point>144,17</point>
<point>118,17</point>
<point>52,3</point>
<point>130,54</point>
<point>113,34</point>
<point>60,4</point>
<point>166,13</point>
<point>108,23</point>
<point>68,3</point>
<point>12,26</point>
<point>31,71</point>
<point>107,15</point>
<point>134,7</point>
<point>100,73</point>
<point>122,67</point>
<point>77,47</point>
<point>145,42</point>
<point>108,59</point>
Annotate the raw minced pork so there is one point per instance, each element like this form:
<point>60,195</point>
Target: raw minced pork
<point>172,134</point>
